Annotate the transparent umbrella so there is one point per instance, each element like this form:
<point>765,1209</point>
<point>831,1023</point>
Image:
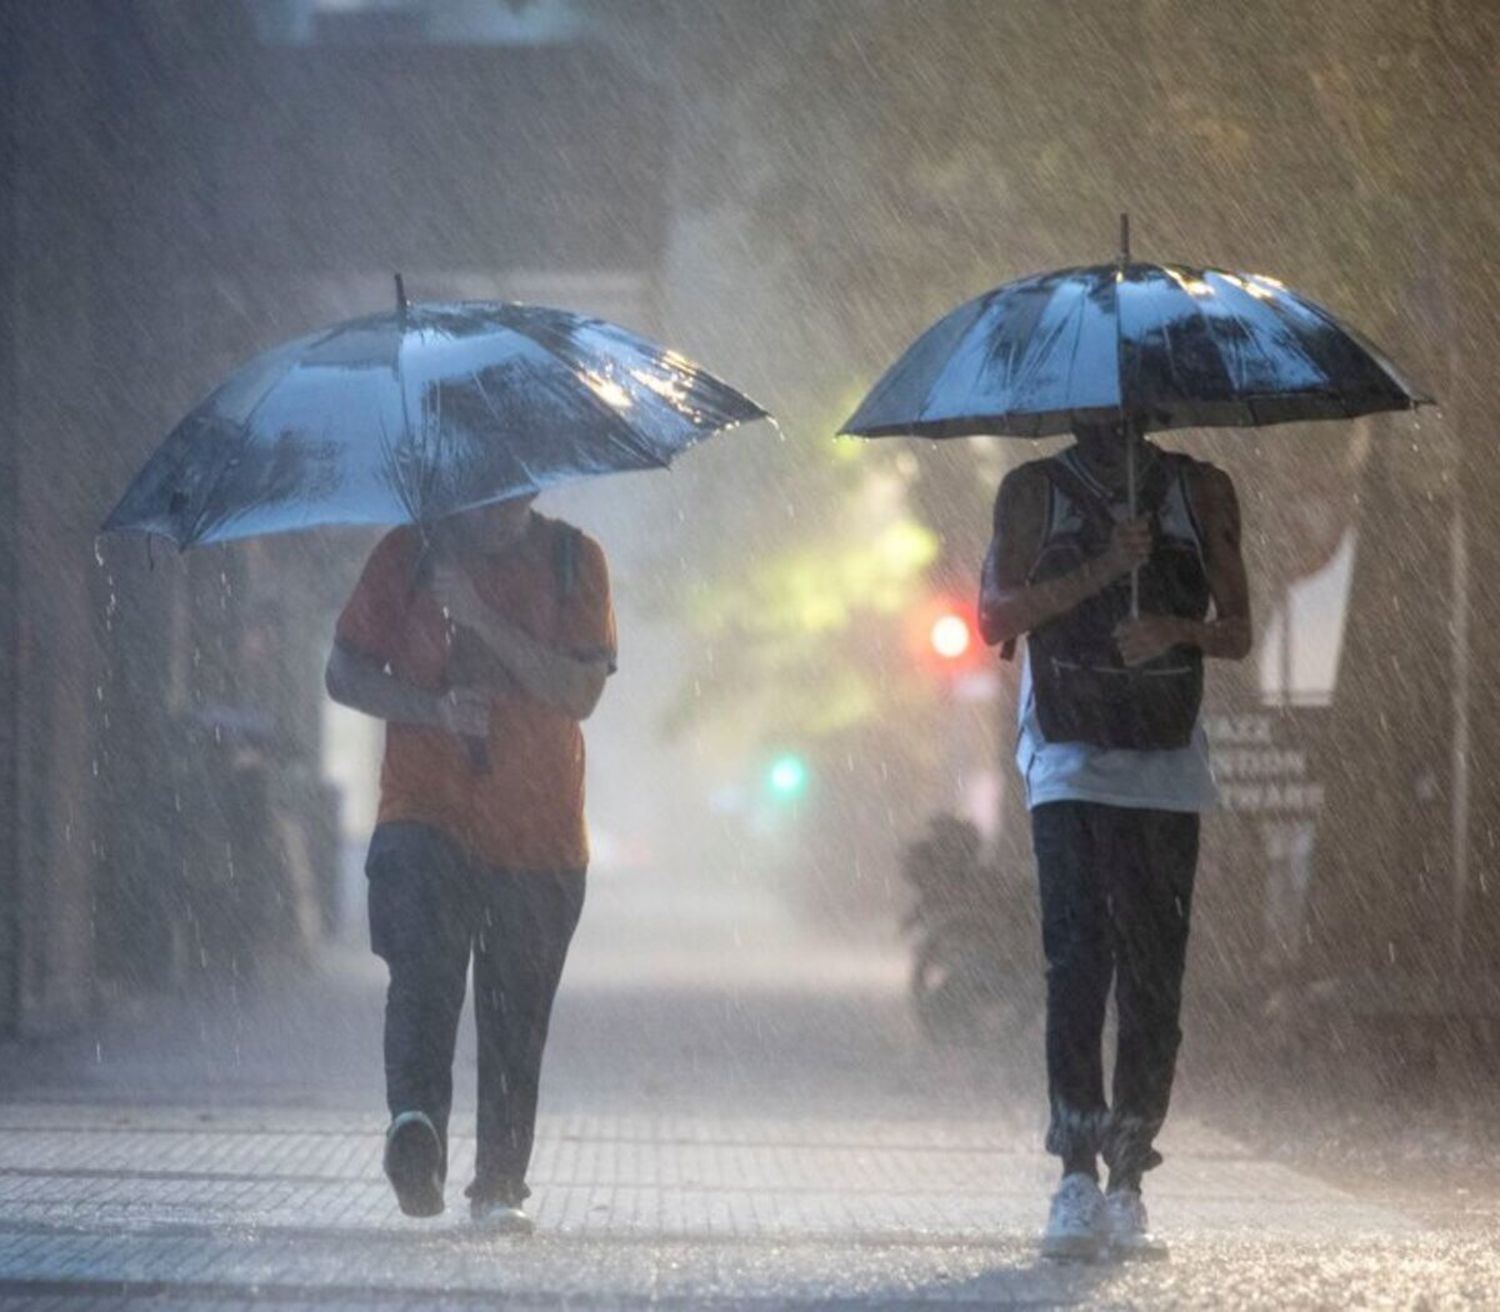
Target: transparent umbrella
<point>409,416</point>
<point>1145,346</point>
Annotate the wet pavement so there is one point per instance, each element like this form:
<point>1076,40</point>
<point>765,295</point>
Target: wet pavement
<point>742,1120</point>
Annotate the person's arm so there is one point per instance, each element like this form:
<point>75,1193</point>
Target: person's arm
<point>571,684</point>
<point>364,685</point>
<point>1229,635</point>
<point>1009,606</point>
<point>369,631</point>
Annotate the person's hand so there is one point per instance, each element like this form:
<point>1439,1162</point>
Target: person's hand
<point>1129,546</point>
<point>454,591</point>
<point>1145,639</point>
<point>465,711</point>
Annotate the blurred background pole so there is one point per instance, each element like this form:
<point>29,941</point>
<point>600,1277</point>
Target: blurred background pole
<point>10,575</point>
<point>1468,39</point>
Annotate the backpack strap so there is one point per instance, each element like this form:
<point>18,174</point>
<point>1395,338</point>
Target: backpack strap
<point>421,565</point>
<point>1151,491</point>
<point>566,542</point>
<point>1090,504</point>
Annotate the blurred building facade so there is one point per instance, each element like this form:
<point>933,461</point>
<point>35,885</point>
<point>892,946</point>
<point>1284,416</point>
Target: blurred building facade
<point>184,185</point>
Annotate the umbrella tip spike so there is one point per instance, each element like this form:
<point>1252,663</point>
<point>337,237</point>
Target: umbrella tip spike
<point>401,302</point>
<point>1124,239</point>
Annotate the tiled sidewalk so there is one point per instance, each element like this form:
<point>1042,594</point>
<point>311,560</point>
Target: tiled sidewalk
<point>162,1207</point>
<point>758,1127</point>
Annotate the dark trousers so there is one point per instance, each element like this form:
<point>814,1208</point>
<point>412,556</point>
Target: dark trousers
<point>1116,889</point>
<point>431,909</point>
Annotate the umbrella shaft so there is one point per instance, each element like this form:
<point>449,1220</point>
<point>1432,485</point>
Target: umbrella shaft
<point>479,755</point>
<point>1135,574</point>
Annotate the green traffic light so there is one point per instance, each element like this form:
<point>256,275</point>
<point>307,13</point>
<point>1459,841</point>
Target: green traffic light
<point>787,777</point>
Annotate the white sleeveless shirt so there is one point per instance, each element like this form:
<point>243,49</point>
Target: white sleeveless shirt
<point>1180,779</point>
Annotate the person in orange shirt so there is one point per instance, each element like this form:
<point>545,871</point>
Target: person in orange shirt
<point>483,644</point>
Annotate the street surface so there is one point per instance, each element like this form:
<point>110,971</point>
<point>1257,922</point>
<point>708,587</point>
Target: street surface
<point>742,1119</point>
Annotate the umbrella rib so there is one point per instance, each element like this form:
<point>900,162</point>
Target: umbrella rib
<point>246,436</point>
<point>484,395</point>
<point>1275,307</point>
<point>1372,353</point>
<point>1335,392</point>
<point>430,465</point>
<point>985,302</point>
<point>423,465</point>
<point>532,477</point>
<point>245,431</point>
<point>1265,355</point>
<point>1166,340</point>
<point>1166,335</point>
<point>403,493</point>
<point>1032,359</point>
<point>611,417</point>
<point>1079,311</point>
<point>1207,322</point>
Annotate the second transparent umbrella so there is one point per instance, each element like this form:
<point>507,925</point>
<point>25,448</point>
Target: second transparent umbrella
<point>1141,345</point>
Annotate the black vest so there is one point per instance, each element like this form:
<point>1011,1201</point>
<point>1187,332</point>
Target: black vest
<point>1084,691</point>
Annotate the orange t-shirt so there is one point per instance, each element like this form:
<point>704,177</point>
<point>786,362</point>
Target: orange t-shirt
<point>525,811</point>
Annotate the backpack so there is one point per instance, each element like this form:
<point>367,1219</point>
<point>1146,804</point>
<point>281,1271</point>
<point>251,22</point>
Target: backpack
<point>1084,691</point>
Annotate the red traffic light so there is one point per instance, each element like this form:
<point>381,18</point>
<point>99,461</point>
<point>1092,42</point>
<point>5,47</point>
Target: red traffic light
<point>942,637</point>
<point>951,636</point>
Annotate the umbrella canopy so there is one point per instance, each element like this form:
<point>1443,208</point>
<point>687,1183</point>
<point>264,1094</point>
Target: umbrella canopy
<point>1160,345</point>
<point>409,416</point>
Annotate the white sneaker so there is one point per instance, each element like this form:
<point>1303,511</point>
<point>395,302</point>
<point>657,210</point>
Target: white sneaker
<point>500,1217</point>
<point>1076,1226</point>
<point>1129,1232</point>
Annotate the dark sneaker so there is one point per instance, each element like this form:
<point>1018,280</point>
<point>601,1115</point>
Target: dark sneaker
<point>414,1163</point>
<point>1077,1230</point>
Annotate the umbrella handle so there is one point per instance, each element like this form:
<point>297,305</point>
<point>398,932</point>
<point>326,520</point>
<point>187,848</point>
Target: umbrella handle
<point>1135,573</point>
<point>1127,426</point>
<point>479,755</point>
